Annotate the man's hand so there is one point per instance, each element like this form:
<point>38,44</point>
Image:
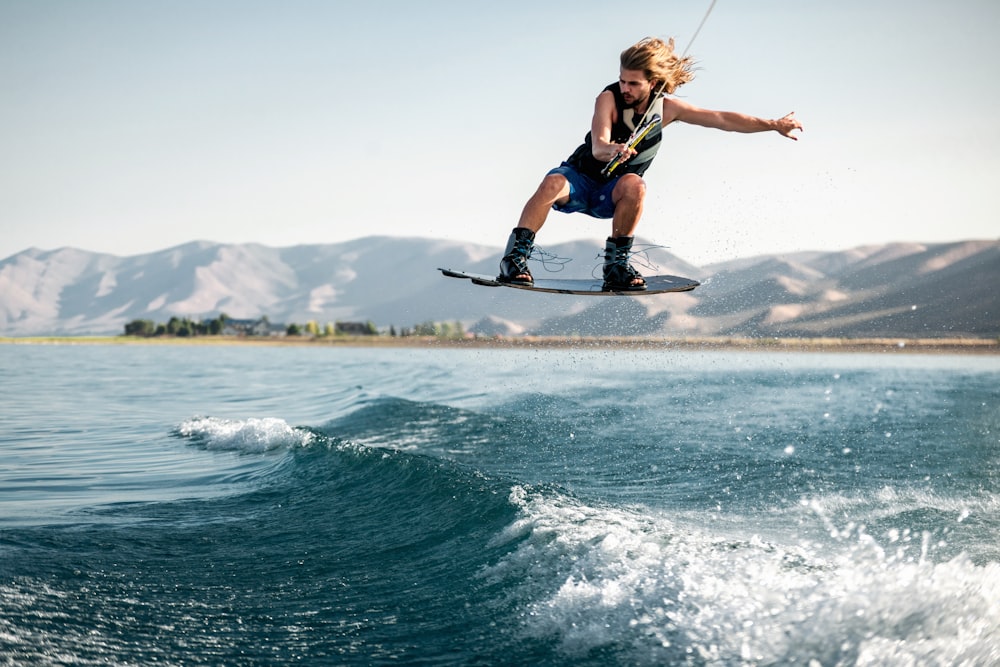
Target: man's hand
<point>626,152</point>
<point>786,124</point>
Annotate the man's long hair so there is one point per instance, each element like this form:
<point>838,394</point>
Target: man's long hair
<point>657,59</point>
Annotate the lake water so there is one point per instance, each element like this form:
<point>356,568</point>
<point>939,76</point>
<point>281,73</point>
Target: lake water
<point>252,505</point>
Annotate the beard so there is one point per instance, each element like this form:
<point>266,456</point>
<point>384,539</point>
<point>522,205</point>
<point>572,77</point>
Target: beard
<point>633,102</point>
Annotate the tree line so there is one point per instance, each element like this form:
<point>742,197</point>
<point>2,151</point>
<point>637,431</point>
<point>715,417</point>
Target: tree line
<point>176,326</point>
<point>184,327</point>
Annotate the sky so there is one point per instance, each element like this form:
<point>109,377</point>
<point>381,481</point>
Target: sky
<point>130,127</point>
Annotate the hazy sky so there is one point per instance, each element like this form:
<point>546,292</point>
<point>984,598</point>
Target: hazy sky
<point>128,127</point>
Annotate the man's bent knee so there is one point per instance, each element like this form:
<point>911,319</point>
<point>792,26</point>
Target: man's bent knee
<point>630,186</point>
<point>554,187</point>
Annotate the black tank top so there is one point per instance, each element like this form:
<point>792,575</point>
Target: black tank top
<point>583,159</point>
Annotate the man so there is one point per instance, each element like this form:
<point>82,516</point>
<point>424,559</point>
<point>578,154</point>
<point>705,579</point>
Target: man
<point>583,184</point>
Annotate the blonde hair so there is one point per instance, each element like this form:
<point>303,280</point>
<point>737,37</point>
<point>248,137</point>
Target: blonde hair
<point>658,61</point>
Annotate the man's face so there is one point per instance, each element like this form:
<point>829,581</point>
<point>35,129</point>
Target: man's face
<point>635,86</point>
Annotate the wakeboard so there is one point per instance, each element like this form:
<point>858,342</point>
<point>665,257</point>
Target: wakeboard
<point>585,286</point>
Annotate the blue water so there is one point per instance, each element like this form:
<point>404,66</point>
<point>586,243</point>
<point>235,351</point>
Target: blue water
<point>247,505</point>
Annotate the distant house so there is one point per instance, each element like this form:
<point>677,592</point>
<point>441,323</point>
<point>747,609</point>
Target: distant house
<point>257,327</point>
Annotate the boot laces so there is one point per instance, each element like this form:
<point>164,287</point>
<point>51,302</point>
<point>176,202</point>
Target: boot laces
<point>621,257</point>
<point>525,249</point>
<point>624,257</point>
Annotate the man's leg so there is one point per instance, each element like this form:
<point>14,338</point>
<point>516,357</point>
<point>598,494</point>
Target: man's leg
<point>554,188</point>
<point>628,196</point>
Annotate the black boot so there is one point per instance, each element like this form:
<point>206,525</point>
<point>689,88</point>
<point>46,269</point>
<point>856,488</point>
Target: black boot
<point>619,275</point>
<point>514,265</point>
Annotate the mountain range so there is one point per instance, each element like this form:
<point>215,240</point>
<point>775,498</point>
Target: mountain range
<point>909,290</point>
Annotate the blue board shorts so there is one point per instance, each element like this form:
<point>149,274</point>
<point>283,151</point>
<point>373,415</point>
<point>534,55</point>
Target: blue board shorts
<point>586,195</point>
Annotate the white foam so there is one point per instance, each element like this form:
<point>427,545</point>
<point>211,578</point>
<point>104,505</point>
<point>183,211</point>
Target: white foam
<point>606,577</point>
<point>249,435</point>
<point>887,501</point>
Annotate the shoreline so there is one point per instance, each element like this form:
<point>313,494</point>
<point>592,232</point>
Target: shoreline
<point>883,345</point>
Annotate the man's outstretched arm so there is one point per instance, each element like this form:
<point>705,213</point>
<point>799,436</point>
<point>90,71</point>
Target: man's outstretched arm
<point>731,121</point>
